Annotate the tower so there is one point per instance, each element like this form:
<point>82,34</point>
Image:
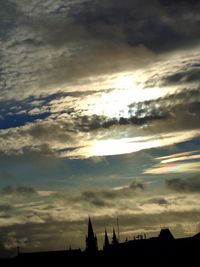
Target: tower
<point>106,241</point>
<point>114,238</point>
<point>91,239</point>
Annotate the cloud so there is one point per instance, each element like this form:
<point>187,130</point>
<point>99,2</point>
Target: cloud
<point>103,197</point>
<point>66,63</point>
<point>9,10</point>
<point>190,185</point>
<point>159,28</point>
<point>97,78</point>
<point>184,77</point>
<point>185,161</point>
<point>19,190</point>
<point>5,208</point>
<point>120,37</point>
<point>71,122</point>
<point>50,131</point>
<point>85,137</point>
<point>37,236</point>
<point>185,156</point>
<point>35,219</point>
<point>156,200</point>
<point>137,185</point>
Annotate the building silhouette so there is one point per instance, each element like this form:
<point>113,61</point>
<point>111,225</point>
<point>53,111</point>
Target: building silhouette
<point>161,250</point>
<point>165,234</point>
<point>91,239</point>
<point>114,238</point>
<point>106,242</point>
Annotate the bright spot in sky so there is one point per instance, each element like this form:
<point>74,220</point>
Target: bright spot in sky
<point>126,145</point>
<point>124,82</point>
<point>123,146</point>
<point>116,103</point>
<point>127,89</point>
<point>105,147</point>
<point>114,95</point>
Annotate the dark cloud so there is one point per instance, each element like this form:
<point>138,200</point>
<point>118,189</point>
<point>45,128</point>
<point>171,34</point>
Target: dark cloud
<point>140,22</point>
<point>94,122</point>
<point>53,131</point>
<point>159,201</point>
<point>179,109</point>
<point>88,38</point>
<point>5,208</point>
<point>8,10</point>
<point>96,59</point>
<point>95,198</point>
<point>190,185</point>
<point>119,36</point>
<point>183,77</point>
<point>19,190</point>
<point>103,197</point>
<point>137,185</point>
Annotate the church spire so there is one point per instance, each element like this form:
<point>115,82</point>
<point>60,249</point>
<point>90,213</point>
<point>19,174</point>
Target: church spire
<point>114,238</point>
<point>106,241</point>
<point>91,239</point>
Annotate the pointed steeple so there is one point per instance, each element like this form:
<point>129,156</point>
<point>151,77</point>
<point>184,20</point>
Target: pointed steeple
<point>106,241</point>
<point>91,239</point>
<point>90,229</point>
<point>114,238</point>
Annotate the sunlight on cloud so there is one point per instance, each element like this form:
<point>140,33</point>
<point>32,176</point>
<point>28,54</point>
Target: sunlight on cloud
<point>129,88</point>
<point>122,146</point>
<point>193,167</point>
<point>183,158</point>
<point>116,103</point>
<point>110,95</point>
<point>125,82</point>
<point>129,145</point>
<point>177,163</point>
<point>177,155</point>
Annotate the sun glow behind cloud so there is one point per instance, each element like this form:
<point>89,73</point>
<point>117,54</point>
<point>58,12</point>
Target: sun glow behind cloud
<point>127,89</point>
<point>117,146</point>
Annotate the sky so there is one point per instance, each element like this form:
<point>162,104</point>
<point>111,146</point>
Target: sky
<point>99,117</point>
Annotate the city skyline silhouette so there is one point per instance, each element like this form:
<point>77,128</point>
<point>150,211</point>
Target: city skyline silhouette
<point>99,118</point>
<point>163,248</point>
